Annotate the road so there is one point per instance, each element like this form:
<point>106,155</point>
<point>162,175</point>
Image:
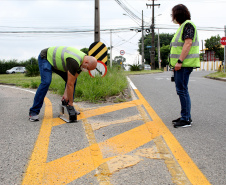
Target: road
<point>205,140</point>
<point>128,143</point>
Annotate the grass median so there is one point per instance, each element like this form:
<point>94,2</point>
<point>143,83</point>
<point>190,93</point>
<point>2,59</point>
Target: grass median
<point>87,89</point>
<point>217,75</point>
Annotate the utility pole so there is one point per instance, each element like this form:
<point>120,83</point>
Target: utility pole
<point>224,47</point>
<point>97,21</point>
<point>153,34</point>
<point>159,58</point>
<point>142,31</point>
<point>111,48</point>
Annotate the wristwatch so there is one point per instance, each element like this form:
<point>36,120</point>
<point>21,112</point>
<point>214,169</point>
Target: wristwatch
<point>179,61</point>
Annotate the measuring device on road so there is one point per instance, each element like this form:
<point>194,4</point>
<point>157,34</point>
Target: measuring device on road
<point>68,113</point>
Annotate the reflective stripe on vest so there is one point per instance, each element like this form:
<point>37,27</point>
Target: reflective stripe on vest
<point>64,50</point>
<point>188,56</point>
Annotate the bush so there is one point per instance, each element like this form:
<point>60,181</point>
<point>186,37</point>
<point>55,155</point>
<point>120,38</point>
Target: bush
<point>32,70</point>
<point>5,65</point>
<point>135,67</point>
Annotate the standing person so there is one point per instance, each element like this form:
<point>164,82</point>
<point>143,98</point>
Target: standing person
<point>67,62</point>
<point>184,56</point>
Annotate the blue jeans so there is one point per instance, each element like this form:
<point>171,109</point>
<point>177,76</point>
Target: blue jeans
<point>181,81</point>
<point>46,70</point>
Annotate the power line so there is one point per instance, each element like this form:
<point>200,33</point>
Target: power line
<point>133,16</point>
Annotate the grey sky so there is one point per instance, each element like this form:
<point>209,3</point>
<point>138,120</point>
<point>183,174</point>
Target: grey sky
<point>71,15</point>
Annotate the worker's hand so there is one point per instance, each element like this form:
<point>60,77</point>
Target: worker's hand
<point>70,103</point>
<point>64,98</point>
<point>177,67</point>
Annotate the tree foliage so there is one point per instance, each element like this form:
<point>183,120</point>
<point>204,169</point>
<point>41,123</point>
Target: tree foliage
<point>213,43</point>
<point>8,64</point>
<point>165,39</point>
<point>85,50</point>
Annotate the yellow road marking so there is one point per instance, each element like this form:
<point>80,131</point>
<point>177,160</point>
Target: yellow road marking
<point>193,173</point>
<point>107,109</point>
<point>102,110</point>
<point>77,164</point>
<point>126,142</point>
<point>100,124</point>
<point>103,171</point>
<point>37,163</point>
<point>68,168</point>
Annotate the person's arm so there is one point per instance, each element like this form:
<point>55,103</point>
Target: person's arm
<point>185,50</point>
<point>70,87</point>
<point>72,74</point>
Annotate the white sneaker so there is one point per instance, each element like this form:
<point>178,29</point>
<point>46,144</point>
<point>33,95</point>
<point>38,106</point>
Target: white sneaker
<point>33,118</point>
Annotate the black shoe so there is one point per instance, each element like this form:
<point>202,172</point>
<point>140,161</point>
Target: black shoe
<point>182,123</point>
<point>178,119</point>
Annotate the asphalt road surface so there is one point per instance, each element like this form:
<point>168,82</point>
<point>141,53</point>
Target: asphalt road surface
<point>128,143</point>
<point>205,140</point>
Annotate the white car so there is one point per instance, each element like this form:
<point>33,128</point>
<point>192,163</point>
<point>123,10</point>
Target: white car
<point>18,69</point>
<point>147,67</point>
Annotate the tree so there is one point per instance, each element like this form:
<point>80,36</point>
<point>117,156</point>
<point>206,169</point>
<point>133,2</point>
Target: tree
<point>165,50</point>
<point>214,44</point>
<point>119,60</point>
<point>85,50</point>
<point>165,39</point>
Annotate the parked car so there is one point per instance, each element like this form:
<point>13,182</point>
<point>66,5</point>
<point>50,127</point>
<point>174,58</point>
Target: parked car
<point>18,69</point>
<point>147,67</point>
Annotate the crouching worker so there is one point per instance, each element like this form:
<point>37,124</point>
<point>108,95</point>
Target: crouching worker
<point>67,62</point>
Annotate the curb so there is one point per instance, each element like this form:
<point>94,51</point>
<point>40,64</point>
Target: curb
<point>215,78</point>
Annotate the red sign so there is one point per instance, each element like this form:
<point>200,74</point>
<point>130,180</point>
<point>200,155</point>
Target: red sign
<point>122,52</point>
<point>101,70</point>
<point>223,40</point>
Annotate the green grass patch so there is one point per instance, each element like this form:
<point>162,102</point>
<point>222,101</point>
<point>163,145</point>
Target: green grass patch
<point>19,80</point>
<point>99,88</point>
<point>217,75</point>
<point>141,72</point>
<point>87,88</point>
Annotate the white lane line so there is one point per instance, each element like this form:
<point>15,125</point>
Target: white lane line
<point>18,88</point>
<point>131,83</point>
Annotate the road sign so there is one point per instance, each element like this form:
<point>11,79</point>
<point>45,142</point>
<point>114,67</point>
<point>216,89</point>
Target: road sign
<point>122,52</point>
<point>101,70</point>
<point>99,51</point>
<point>223,40</point>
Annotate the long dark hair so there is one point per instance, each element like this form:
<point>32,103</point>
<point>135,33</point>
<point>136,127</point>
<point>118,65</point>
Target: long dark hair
<point>181,13</point>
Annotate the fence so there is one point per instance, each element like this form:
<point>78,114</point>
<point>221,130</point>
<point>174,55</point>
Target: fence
<point>209,66</point>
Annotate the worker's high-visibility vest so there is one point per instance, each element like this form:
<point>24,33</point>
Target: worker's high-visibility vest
<point>192,59</point>
<point>57,56</point>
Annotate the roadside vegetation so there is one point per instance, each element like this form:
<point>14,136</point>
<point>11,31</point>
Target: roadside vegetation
<point>88,89</point>
<point>217,75</point>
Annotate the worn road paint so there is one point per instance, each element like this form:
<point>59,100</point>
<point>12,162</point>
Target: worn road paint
<point>70,167</point>
<point>157,127</point>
